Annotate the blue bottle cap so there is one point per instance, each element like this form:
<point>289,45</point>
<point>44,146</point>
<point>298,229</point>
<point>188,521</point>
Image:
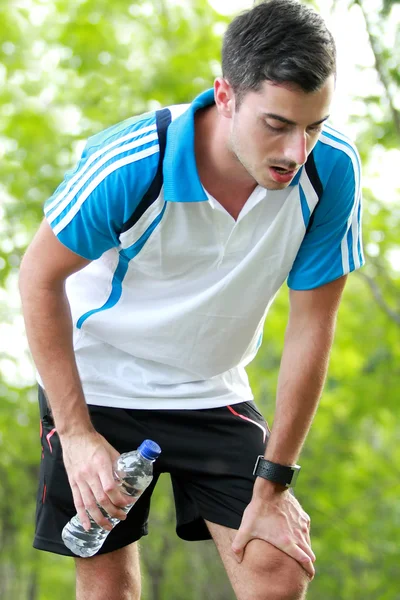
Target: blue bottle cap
<point>149,449</point>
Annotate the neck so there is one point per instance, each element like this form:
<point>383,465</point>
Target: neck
<point>220,172</point>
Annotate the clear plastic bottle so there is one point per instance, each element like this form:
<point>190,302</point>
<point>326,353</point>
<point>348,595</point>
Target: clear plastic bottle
<point>134,472</point>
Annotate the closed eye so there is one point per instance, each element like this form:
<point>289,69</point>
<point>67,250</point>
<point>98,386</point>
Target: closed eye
<point>275,129</point>
<point>315,128</point>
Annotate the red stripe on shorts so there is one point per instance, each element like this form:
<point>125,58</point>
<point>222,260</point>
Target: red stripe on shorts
<point>263,429</point>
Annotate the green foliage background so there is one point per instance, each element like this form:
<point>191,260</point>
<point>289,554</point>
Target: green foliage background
<point>70,68</point>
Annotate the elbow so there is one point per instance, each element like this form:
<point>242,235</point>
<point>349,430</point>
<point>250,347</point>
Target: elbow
<point>320,330</point>
<point>30,278</point>
<point>35,280</point>
<point>23,277</point>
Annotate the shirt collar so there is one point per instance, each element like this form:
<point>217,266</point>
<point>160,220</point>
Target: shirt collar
<point>181,179</point>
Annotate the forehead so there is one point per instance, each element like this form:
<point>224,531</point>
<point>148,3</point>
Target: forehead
<point>290,101</point>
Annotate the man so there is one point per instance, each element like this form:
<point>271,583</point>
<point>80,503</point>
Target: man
<point>145,292</point>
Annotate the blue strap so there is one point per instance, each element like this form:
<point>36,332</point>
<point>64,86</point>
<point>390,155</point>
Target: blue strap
<point>163,119</point>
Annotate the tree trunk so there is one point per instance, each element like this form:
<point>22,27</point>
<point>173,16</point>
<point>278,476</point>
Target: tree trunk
<point>32,592</point>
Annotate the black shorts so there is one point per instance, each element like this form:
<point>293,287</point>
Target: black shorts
<point>209,454</point>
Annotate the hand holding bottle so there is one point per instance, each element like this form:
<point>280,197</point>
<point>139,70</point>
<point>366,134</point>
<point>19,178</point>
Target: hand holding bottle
<point>133,472</point>
<point>88,460</point>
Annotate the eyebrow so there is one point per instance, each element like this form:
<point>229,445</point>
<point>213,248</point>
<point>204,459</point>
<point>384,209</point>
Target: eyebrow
<point>289,122</point>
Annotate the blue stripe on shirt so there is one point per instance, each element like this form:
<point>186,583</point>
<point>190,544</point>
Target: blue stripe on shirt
<point>305,209</point>
<point>122,268</point>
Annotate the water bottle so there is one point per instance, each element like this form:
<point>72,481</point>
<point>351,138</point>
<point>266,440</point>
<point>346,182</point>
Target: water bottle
<point>134,472</point>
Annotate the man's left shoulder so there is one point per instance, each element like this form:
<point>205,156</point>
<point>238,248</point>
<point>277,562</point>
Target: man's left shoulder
<point>334,154</point>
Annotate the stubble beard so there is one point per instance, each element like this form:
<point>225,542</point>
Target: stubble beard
<point>267,182</point>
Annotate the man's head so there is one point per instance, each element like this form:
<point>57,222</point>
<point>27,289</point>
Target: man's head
<point>282,41</point>
<point>279,66</point>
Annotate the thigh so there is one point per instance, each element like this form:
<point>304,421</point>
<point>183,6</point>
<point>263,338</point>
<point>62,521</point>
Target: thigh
<point>213,479</point>
<point>265,573</point>
<point>112,575</point>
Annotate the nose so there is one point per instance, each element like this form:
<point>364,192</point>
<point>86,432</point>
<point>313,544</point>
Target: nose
<point>296,148</point>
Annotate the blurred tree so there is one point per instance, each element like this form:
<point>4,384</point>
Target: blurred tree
<point>69,69</point>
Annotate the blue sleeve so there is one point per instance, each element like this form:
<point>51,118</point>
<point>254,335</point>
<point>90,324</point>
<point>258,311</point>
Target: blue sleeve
<point>332,245</point>
<point>89,208</point>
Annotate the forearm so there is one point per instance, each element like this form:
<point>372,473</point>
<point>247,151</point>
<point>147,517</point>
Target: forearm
<point>301,379</point>
<point>49,331</point>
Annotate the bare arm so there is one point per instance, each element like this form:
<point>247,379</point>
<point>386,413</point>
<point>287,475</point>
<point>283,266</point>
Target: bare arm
<point>274,514</point>
<point>304,364</point>
<point>87,455</point>
<point>44,269</point>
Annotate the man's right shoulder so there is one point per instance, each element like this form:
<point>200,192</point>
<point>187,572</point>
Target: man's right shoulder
<point>124,130</point>
<point>133,127</point>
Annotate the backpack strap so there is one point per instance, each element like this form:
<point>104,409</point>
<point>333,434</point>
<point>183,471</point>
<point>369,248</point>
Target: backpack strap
<point>163,120</point>
<point>315,180</point>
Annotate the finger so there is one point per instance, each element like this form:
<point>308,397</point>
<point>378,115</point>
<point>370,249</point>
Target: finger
<point>306,546</point>
<point>91,505</point>
<point>309,569</point>
<point>114,494</point>
<point>113,489</point>
<point>308,521</point>
<point>238,554</point>
<point>310,572</point>
<point>302,558</point>
<point>239,544</point>
<point>304,541</point>
<point>108,504</point>
<point>80,507</point>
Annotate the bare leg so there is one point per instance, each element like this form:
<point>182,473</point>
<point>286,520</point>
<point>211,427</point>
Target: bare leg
<point>265,573</point>
<point>111,576</point>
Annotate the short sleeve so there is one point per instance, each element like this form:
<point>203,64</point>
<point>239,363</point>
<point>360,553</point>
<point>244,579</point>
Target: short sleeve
<point>332,245</point>
<point>87,211</point>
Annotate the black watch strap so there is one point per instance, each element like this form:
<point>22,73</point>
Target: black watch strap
<point>283,474</point>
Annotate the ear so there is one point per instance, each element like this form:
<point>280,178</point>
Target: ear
<point>224,97</point>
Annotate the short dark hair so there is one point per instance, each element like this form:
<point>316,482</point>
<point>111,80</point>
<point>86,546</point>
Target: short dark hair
<point>283,41</point>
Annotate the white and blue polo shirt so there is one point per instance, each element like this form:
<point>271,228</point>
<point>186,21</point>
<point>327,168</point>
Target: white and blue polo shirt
<point>172,307</point>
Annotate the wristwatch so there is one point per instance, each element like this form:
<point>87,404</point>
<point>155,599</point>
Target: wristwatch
<point>283,474</point>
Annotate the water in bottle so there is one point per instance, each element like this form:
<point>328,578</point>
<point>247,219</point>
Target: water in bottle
<point>134,472</point>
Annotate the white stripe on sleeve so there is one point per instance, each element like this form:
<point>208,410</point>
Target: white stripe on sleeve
<point>355,229</point>
<point>352,221</point>
<point>120,150</point>
<point>100,177</point>
<point>345,254</point>
<point>94,157</point>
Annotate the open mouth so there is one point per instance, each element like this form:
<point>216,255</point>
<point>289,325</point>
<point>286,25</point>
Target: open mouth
<point>281,175</point>
<point>282,170</point>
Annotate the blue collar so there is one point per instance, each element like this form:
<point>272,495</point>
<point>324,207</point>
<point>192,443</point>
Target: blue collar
<point>181,179</point>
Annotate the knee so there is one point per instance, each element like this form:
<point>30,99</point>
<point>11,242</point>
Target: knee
<point>276,576</point>
<point>109,589</point>
<point>109,576</point>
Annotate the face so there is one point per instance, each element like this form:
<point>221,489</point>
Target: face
<point>274,130</point>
